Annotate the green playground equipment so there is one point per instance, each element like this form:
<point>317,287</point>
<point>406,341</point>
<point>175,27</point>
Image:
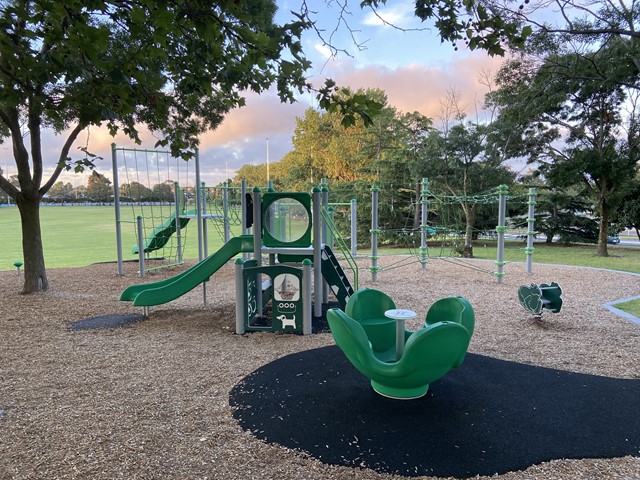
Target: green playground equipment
<point>367,307</point>
<point>276,296</point>
<point>18,264</point>
<point>161,234</point>
<point>537,298</point>
<point>428,353</point>
<point>149,294</point>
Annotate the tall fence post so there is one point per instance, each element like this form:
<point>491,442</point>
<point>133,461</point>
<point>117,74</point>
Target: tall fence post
<point>503,190</point>
<point>424,211</point>
<point>374,269</point>
<point>530,229</point>
<point>116,203</point>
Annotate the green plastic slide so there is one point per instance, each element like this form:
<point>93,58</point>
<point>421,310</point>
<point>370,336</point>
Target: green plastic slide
<point>161,234</point>
<point>149,294</point>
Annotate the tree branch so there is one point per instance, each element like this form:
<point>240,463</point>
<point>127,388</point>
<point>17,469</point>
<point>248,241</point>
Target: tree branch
<point>64,153</point>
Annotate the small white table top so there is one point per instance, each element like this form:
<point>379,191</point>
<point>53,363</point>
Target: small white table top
<point>400,314</point>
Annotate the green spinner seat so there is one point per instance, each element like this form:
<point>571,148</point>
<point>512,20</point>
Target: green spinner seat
<point>367,307</point>
<point>430,353</point>
<point>452,309</point>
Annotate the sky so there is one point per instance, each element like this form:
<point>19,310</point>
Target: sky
<point>411,66</point>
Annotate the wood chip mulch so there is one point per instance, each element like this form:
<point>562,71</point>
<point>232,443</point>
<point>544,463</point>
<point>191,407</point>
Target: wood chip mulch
<point>150,400</point>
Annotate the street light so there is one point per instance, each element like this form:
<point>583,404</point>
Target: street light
<point>268,176</point>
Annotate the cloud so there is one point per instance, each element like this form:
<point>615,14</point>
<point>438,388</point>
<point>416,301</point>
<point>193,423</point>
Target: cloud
<point>396,16</point>
<point>241,138</point>
<point>422,88</point>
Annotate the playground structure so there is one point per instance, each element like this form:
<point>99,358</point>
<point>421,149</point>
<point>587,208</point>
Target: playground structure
<point>162,208</point>
<point>444,231</point>
<point>284,232</point>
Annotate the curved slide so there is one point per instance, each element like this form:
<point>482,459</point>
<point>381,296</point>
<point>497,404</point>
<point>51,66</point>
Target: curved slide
<point>148,294</point>
<point>161,234</point>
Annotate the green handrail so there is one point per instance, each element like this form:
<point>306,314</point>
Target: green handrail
<point>342,245</point>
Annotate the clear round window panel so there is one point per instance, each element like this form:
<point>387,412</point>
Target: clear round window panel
<point>286,220</point>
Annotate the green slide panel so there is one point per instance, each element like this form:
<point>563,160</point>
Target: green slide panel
<point>161,234</point>
<point>149,294</point>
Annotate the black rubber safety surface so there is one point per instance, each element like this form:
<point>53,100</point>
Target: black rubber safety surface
<point>489,416</point>
<point>105,321</point>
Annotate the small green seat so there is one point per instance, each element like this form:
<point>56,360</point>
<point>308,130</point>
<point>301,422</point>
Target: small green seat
<point>367,307</point>
<point>452,309</point>
<point>429,353</point>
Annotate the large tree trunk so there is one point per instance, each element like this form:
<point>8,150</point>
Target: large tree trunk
<point>35,275</point>
<point>603,231</point>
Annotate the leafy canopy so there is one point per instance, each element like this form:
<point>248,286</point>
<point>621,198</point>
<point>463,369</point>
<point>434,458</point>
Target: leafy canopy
<point>177,67</point>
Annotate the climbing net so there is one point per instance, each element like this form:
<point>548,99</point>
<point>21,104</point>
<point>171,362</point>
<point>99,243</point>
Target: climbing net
<point>435,226</point>
<point>148,187</point>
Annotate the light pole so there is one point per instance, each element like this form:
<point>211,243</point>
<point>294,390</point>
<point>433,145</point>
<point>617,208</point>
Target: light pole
<point>6,173</point>
<point>268,175</point>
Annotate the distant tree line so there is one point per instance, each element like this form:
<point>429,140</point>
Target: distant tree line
<point>581,147</point>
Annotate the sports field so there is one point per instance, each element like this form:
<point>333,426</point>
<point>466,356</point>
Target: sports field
<point>74,236</point>
<point>77,235</point>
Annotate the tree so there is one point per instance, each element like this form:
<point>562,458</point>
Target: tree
<point>98,188</point>
<point>628,213</point>
<point>176,67</point>
<point>163,192</point>
<point>60,192</point>
<point>572,126</point>
<point>462,159</point>
<point>136,192</point>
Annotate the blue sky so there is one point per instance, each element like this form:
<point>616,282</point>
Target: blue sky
<point>413,67</point>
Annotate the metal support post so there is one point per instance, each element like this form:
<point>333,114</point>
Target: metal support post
<point>424,226</point>
<point>503,190</point>
<point>240,296</point>
<point>530,229</point>
<point>306,297</point>
<point>354,228</point>
<point>374,269</point>
<point>140,227</point>
<point>176,195</point>
<point>317,252</point>
<point>116,203</point>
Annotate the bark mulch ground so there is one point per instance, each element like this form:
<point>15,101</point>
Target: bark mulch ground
<point>151,399</point>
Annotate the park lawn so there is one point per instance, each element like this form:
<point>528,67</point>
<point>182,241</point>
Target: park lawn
<point>632,307</point>
<point>75,236</point>
<point>626,259</point>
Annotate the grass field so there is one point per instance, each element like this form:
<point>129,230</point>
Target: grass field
<point>632,307</point>
<point>78,236</point>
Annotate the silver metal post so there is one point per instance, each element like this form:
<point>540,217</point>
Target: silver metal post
<point>240,297</point>
<point>530,229</point>
<point>317,252</point>
<point>503,190</point>
<point>354,228</point>
<point>198,206</point>
<point>176,195</point>
<point>116,203</point>
<point>424,226</point>
<point>225,208</point>
<point>374,269</point>
<point>140,227</point>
